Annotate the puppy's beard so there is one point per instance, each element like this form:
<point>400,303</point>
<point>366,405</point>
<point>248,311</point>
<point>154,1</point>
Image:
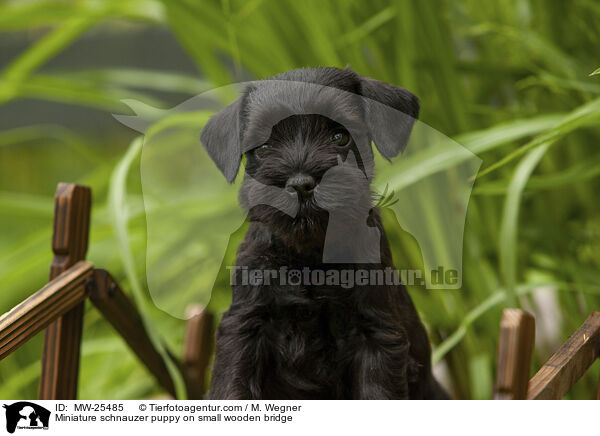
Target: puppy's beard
<point>305,231</point>
<point>303,224</point>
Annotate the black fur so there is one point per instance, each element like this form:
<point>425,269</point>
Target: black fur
<point>316,342</point>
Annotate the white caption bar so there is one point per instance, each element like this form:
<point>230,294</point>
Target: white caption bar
<point>297,417</point>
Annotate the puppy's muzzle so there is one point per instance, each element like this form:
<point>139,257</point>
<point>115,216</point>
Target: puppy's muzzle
<point>301,184</point>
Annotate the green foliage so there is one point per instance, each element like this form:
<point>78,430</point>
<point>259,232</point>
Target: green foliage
<point>510,80</point>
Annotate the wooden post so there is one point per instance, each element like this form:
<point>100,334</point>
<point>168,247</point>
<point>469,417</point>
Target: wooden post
<point>198,344</point>
<point>517,334</point>
<point>569,363</point>
<point>120,311</point>
<point>60,357</point>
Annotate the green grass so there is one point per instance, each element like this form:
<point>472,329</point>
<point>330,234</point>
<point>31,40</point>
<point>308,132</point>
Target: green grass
<point>515,82</point>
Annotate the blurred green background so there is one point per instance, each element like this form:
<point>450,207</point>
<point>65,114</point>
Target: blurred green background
<point>511,80</point>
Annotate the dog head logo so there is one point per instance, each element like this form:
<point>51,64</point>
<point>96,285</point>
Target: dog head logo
<point>26,415</point>
<point>307,141</point>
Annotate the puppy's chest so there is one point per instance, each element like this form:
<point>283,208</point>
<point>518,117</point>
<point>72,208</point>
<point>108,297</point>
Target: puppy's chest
<point>310,345</point>
<point>309,318</point>
<point>322,317</point>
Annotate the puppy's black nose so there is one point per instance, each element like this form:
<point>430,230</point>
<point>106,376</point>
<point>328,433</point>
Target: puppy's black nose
<point>302,184</point>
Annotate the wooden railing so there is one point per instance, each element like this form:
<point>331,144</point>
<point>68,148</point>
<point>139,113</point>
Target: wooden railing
<point>558,375</point>
<point>58,308</point>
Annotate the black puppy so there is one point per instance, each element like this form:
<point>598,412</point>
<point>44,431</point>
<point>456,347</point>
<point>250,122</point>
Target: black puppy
<point>306,135</point>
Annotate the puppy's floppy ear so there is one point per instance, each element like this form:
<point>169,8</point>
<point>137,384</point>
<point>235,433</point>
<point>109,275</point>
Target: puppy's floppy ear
<point>221,137</point>
<point>389,128</point>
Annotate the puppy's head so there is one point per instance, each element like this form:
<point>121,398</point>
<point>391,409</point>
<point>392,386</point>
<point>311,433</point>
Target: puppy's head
<point>306,135</point>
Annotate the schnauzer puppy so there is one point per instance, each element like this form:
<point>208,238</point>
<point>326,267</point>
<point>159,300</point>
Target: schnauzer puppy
<point>306,136</point>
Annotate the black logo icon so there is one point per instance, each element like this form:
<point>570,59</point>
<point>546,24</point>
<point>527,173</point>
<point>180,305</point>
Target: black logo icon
<point>26,415</point>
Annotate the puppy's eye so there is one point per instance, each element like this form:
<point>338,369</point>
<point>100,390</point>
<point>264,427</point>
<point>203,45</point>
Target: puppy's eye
<point>341,138</point>
<point>262,151</point>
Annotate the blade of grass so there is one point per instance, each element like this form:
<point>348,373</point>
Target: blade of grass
<point>407,171</point>
<point>118,209</point>
<point>510,220</point>
<point>168,81</point>
<point>370,25</point>
<point>577,173</point>
<point>580,117</point>
<point>42,51</point>
<point>63,90</point>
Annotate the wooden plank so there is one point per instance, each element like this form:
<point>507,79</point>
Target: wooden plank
<point>55,299</point>
<point>517,335</point>
<point>569,363</point>
<point>60,356</point>
<point>120,311</point>
<point>198,345</point>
